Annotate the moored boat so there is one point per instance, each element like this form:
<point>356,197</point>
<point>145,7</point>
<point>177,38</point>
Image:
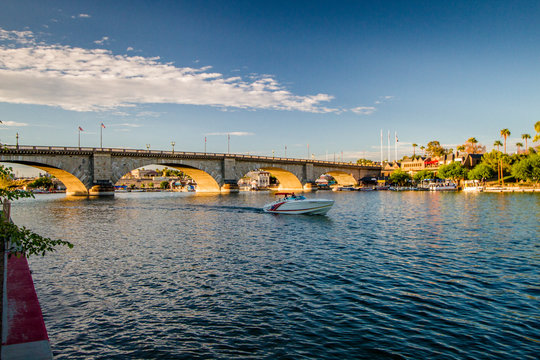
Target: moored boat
<point>448,186</point>
<point>472,186</point>
<point>292,204</point>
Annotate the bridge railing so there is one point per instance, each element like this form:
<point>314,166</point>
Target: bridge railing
<point>175,153</point>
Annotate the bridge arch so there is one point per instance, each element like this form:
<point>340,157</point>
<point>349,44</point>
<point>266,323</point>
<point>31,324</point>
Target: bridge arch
<point>206,182</point>
<point>342,178</point>
<point>287,180</point>
<point>74,186</point>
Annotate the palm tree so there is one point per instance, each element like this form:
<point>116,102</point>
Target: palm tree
<point>423,148</point>
<point>471,142</point>
<point>526,137</point>
<point>497,143</point>
<point>414,149</point>
<point>537,126</point>
<point>519,145</point>
<point>505,133</point>
<point>460,148</point>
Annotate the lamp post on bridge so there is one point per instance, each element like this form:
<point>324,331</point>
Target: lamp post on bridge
<point>17,141</point>
<point>148,147</point>
<point>172,144</point>
<point>285,151</point>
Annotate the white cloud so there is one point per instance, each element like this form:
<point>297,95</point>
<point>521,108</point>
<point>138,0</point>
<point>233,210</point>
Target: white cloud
<point>126,125</point>
<point>129,49</point>
<point>18,37</point>
<point>148,114</point>
<point>383,99</point>
<point>13,123</point>
<point>364,110</point>
<point>102,41</point>
<point>97,80</point>
<point>84,16</point>
<point>232,133</point>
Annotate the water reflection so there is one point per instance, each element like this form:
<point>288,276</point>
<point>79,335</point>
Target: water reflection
<point>172,275</point>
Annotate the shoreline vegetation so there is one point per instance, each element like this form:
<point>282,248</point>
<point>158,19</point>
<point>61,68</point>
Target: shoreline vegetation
<point>496,170</point>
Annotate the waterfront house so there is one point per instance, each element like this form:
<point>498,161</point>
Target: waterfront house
<point>471,160</point>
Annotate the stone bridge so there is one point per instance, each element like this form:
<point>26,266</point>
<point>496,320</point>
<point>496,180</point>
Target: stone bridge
<point>94,171</point>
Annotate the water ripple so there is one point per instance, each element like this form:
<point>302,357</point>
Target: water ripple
<point>383,276</point>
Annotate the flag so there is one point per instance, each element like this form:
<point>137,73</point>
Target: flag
<point>397,138</point>
<point>103,126</point>
<point>80,129</point>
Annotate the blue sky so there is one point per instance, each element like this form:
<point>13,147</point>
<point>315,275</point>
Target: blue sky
<point>271,74</point>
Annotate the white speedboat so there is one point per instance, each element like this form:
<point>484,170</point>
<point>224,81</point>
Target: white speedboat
<point>292,205</point>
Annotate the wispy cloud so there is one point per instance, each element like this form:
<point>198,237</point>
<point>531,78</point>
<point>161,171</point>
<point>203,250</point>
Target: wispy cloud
<point>232,133</point>
<point>148,114</point>
<point>102,41</point>
<point>80,79</point>
<point>12,123</point>
<point>80,16</point>
<point>17,37</point>
<point>383,99</point>
<point>364,110</point>
<point>126,125</point>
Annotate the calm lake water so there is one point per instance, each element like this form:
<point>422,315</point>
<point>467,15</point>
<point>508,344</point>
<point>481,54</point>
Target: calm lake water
<point>384,275</point>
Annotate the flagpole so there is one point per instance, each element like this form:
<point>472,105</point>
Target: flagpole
<point>395,144</point>
<point>79,137</point>
<point>205,144</point>
<point>389,150</point>
<point>101,136</point>
<point>382,155</point>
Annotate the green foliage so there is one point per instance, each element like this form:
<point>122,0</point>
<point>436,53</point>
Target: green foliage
<point>164,184</point>
<point>364,162</point>
<point>527,168</point>
<point>172,172</point>
<point>22,242</point>
<point>44,182</point>
<point>434,148</point>
<point>493,158</point>
<point>423,175</point>
<point>481,172</point>
<point>454,171</point>
<point>25,242</point>
<point>400,178</point>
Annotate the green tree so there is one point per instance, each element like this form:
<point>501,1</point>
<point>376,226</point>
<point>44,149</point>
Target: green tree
<point>505,133</point>
<point>164,184</point>
<point>400,177</point>
<point>454,171</point>
<point>423,175</point>
<point>20,240</point>
<point>423,148</point>
<point>481,172</point>
<point>43,182</point>
<point>364,162</point>
<point>527,168</point>
<point>434,148</point>
<point>414,149</point>
<point>519,146</point>
<point>498,144</point>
